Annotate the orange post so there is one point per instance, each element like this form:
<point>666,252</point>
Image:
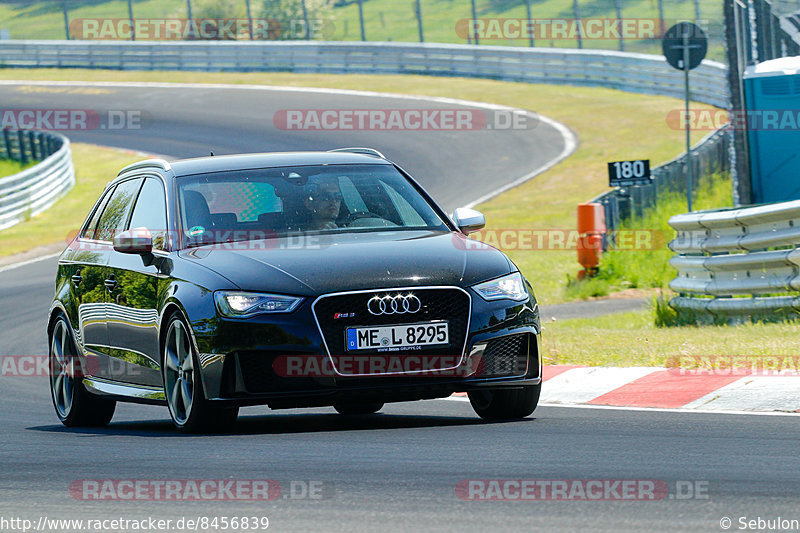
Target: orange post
<point>591,227</point>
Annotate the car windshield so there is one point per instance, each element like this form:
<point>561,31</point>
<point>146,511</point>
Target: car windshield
<point>256,204</point>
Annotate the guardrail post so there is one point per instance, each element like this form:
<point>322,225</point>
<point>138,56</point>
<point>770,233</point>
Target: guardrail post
<point>66,18</point>
<point>32,144</point>
<point>361,19</point>
<point>577,13</point>
<point>618,8</point>
<point>531,42</point>
<point>473,23</point>
<point>305,19</point>
<point>418,12</point>
<point>130,18</point>
<point>21,140</point>
<point>7,143</point>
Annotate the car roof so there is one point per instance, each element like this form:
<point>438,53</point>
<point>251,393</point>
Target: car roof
<point>203,165</point>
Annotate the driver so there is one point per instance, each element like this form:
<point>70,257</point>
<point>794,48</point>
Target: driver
<point>323,199</point>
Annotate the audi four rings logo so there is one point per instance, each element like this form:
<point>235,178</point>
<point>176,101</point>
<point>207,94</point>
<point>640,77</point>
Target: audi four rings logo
<point>400,304</point>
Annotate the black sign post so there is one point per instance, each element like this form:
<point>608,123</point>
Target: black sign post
<point>685,45</point>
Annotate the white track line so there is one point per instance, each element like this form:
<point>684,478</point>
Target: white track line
<point>570,140</point>
<point>757,392</point>
<point>681,410</point>
<point>29,261</point>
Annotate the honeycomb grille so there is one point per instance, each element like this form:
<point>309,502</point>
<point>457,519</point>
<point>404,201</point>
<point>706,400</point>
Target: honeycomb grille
<point>450,305</point>
<point>506,356</point>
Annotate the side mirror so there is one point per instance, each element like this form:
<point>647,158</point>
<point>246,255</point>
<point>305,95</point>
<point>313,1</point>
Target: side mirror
<point>134,241</point>
<point>468,220</point>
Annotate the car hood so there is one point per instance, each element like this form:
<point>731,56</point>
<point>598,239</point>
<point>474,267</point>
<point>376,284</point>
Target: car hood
<point>317,264</point>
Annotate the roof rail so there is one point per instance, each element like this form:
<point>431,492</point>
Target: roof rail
<point>360,150</point>
<point>147,163</point>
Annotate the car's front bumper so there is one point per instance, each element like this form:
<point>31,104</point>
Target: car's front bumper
<point>238,360</point>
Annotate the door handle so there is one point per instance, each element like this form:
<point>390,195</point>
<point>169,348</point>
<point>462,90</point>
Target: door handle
<point>110,283</point>
<point>77,279</point>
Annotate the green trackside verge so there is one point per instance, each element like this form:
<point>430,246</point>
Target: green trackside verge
<point>9,167</point>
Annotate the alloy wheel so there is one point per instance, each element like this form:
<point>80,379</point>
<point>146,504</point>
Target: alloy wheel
<point>62,369</point>
<point>179,374</point>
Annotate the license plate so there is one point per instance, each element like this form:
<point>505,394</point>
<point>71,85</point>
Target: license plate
<point>404,336</point>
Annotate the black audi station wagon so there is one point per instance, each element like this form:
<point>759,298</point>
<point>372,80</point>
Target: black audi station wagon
<point>299,279</point>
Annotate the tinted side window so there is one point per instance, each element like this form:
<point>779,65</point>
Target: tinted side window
<point>115,215</point>
<point>151,212</point>
<point>89,231</point>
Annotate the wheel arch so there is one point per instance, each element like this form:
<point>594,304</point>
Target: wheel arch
<point>57,310</point>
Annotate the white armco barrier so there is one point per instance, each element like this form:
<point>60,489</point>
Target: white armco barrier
<point>641,73</point>
<point>752,251</point>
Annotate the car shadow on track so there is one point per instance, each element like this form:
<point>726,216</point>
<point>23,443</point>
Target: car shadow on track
<point>285,424</point>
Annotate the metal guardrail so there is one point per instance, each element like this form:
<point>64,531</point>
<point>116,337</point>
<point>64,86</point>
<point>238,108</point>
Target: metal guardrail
<point>33,190</point>
<point>641,73</point>
<point>752,251</point>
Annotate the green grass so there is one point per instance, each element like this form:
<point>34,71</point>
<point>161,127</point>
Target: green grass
<point>631,339</point>
<point>390,20</point>
<point>9,167</point>
<point>387,20</point>
<point>648,268</point>
<point>94,166</point>
<point>611,125</point>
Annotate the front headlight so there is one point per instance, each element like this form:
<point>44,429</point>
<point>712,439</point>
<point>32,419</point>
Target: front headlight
<point>243,304</point>
<point>510,287</point>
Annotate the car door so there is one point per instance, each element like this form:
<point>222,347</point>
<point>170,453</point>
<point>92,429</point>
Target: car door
<point>84,265</point>
<point>94,310</point>
<point>133,305</point>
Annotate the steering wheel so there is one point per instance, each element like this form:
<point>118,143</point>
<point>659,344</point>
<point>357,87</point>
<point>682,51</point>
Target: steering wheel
<point>367,215</point>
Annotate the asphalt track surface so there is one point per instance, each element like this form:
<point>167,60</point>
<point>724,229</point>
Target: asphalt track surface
<point>395,471</point>
<point>456,167</point>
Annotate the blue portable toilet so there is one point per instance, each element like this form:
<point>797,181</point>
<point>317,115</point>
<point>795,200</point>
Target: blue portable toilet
<point>772,100</point>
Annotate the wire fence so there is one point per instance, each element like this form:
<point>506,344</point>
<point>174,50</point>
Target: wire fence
<point>624,25</point>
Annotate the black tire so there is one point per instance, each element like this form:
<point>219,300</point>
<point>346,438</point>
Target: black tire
<point>74,405</point>
<point>200,415</point>
<point>505,404</point>
<point>358,408</point>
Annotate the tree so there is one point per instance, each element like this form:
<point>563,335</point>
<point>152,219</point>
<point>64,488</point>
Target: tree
<point>299,19</point>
